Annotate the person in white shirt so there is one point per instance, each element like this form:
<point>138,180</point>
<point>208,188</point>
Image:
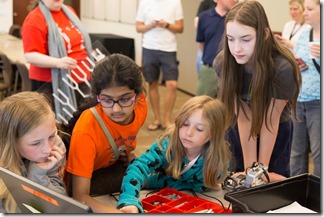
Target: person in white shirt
<point>160,21</point>
<point>297,25</point>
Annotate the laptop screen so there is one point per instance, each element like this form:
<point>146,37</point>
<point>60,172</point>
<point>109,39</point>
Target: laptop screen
<point>32,197</point>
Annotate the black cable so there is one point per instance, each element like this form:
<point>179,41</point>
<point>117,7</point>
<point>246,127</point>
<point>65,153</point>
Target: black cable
<point>266,175</point>
<point>242,181</point>
<point>246,170</point>
<point>193,193</point>
<point>114,195</point>
<point>224,208</point>
<point>152,192</point>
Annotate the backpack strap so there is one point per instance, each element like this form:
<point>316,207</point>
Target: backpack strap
<point>106,131</point>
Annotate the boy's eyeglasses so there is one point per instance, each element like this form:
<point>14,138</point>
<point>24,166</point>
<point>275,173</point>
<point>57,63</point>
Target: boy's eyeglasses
<point>122,102</point>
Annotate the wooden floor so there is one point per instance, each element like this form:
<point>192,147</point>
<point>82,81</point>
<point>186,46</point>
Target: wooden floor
<point>145,138</point>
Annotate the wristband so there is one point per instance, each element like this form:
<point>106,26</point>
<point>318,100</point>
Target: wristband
<point>167,25</point>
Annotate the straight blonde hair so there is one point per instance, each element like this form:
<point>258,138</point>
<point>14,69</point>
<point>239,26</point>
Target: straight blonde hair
<point>215,152</point>
<point>19,114</point>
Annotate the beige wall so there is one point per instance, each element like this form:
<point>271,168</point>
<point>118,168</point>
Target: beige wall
<point>187,48</point>
<point>118,22</point>
<point>277,12</point>
<point>6,11</point>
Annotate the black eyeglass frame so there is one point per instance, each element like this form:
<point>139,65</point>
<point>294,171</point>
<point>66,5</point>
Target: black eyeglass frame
<point>117,101</point>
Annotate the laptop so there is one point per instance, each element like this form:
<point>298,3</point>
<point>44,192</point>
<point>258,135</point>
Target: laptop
<point>32,197</point>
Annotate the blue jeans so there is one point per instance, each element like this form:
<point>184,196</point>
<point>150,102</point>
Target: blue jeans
<point>279,161</point>
<point>306,138</point>
<point>199,61</point>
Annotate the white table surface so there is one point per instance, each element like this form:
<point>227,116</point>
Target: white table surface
<point>13,48</point>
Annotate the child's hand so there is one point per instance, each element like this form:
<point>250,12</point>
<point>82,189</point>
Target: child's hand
<point>129,209</point>
<point>126,159</point>
<point>131,156</point>
<point>56,155</point>
<point>237,174</point>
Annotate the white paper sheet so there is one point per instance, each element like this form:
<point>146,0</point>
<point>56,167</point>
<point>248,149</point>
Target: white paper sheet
<point>294,207</point>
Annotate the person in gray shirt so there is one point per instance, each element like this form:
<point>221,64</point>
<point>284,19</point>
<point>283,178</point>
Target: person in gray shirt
<point>30,145</point>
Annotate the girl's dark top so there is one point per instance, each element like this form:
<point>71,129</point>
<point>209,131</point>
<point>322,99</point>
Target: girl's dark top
<point>283,90</point>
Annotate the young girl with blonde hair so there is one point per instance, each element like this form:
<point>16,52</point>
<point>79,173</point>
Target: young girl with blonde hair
<point>29,144</point>
<point>190,155</point>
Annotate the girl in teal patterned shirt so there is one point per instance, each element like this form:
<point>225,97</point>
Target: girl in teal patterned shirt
<point>191,155</point>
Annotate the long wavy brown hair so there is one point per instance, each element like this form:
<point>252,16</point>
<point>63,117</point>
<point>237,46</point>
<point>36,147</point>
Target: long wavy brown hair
<point>251,13</point>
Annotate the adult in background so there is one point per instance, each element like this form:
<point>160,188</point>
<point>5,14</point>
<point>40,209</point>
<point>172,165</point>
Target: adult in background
<point>307,128</point>
<point>159,21</point>
<point>297,25</point>
<point>209,34</point>
<point>55,42</point>
<point>203,6</point>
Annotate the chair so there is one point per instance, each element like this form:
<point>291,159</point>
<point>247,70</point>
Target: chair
<point>26,84</point>
<point>15,30</point>
<point>5,84</point>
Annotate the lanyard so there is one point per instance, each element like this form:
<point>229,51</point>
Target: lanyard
<point>191,163</point>
<point>293,31</point>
